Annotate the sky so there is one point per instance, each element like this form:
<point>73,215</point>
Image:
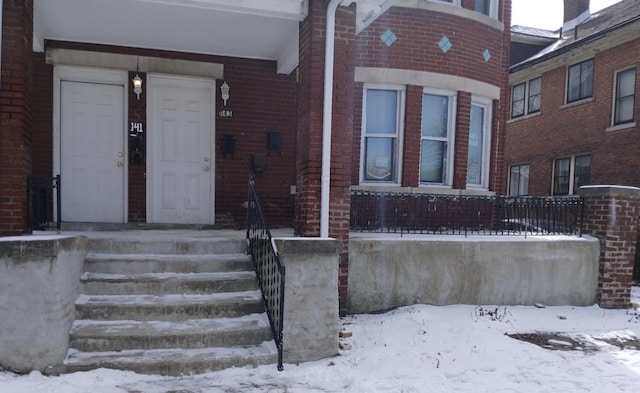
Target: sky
<point>421,349</point>
<point>546,14</point>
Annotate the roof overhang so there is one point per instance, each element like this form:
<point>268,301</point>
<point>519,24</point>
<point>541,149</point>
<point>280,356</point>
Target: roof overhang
<point>256,29</point>
<point>576,51</point>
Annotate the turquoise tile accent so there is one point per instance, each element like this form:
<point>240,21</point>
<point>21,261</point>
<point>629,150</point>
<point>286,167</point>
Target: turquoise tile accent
<point>486,54</point>
<point>388,37</point>
<point>445,44</point>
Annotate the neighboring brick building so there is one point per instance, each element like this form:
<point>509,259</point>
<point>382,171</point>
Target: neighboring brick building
<point>573,112</point>
<point>418,87</point>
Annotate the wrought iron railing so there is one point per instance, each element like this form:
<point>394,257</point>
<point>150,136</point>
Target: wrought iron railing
<point>269,269</point>
<point>40,201</point>
<point>404,212</point>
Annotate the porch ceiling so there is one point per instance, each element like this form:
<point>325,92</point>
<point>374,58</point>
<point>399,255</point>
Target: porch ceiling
<point>257,29</point>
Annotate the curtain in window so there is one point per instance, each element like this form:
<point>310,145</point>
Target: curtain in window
<point>625,96</point>
<point>381,135</point>
<point>435,134</point>
<point>476,141</point>
<point>561,175</point>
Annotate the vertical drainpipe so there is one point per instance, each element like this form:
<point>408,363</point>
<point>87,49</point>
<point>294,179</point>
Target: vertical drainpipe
<point>0,42</point>
<point>327,116</point>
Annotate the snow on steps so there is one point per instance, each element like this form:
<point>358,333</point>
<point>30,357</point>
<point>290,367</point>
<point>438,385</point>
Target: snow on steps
<point>168,313</point>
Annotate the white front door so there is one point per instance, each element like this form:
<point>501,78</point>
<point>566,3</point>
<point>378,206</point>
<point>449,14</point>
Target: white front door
<point>180,161</point>
<point>92,152</point>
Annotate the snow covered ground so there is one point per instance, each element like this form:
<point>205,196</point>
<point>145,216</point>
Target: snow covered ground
<point>431,349</point>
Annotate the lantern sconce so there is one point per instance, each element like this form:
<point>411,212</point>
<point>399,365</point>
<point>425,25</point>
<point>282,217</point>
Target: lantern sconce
<point>137,85</point>
<point>224,89</point>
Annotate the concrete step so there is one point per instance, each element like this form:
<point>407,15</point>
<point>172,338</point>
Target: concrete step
<point>173,362</point>
<point>101,336</point>
<point>176,263</point>
<point>168,307</point>
<point>183,246</point>
<point>163,283</point>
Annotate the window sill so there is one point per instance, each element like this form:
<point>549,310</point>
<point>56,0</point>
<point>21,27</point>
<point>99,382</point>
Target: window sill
<point>527,116</point>
<point>621,127</point>
<point>577,103</point>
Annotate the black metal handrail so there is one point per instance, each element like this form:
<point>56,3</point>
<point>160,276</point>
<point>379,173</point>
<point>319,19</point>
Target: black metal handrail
<point>423,213</point>
<point>40,202</point>
<point>269,269</point>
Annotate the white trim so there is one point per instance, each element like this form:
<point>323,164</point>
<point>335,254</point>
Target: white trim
<point>89,75</point>
<point>451,138</point>
<point>435,80</point>
<point>160,79</point>
<point>400,109</point>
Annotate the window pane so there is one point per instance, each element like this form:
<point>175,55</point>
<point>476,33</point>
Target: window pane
<point>624,110</point>
<point>626,83</point>
<point>535,89</point>
<point>582,172</point>
<point>432,161</point>
<point>382,108</point>
<point>586,79</point>
<point>519,180</point>
<point>476,138</point>
<point>517,100</point>
<point>483,6</point>
<point>573,90</point>
<point>379,159</point>
<point>435,116</point>
<point>561,172</point>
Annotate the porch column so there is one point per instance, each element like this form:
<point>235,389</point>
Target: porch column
<point>611,215</point>
<point>309,131</point>
<point>15,114</point>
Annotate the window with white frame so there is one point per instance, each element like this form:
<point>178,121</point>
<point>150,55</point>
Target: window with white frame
<point>526,97</point>
<point>624,106</point>
<point>436,150</point>
<point>382,119</point>
<point>479,143</point>
<point>570,173</point>
<point>487,7</point>
<point>580,81</point>
<point>519,180</point>
<point>454,2</point>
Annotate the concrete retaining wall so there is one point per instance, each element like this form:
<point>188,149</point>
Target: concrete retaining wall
<point>311,316</point>
<point>39,284</point>
<point>390,272</point>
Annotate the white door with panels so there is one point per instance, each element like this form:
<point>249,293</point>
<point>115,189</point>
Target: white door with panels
<point>180,161</point>
<point>92,152</point>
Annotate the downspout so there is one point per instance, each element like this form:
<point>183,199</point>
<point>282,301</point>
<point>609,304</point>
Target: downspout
<point>327,116</point>
<point>1,5</point>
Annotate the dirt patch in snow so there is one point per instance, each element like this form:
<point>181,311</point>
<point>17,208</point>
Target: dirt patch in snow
<point>585,343</point>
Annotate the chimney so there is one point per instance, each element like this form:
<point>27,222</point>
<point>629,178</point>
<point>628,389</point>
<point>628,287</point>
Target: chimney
<point>575,12</point>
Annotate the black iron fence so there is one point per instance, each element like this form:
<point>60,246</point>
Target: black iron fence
<point>42,194</point>
<point>270,271</point>
<point>420,213</point>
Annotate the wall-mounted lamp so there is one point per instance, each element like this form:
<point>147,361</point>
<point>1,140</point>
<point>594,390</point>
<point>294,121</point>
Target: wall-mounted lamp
<point>224,89</point>
<point>137,85</point>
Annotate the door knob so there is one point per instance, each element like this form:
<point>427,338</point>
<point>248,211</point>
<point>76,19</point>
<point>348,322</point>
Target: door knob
<point>205,168</point>
<point>120,154</point>
<point>120,164</point>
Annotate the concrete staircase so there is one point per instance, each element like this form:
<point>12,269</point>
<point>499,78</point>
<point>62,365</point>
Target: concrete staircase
<point>169,307</point>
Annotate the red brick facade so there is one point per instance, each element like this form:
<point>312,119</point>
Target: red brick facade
<point>561,130</point>
<point>16,133</point>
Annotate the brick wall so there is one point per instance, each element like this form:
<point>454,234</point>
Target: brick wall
<point>15,114</point>
<point>561,131</point>
<point>611,215</point>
